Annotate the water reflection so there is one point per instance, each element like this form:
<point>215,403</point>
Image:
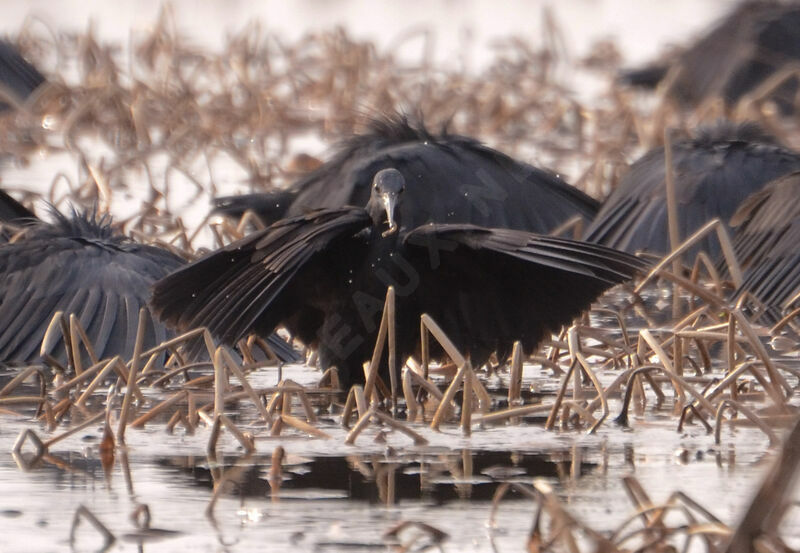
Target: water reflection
<point>380,479</point>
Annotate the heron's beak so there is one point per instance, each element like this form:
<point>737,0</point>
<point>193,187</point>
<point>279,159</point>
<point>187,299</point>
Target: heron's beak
<point>389,200</point>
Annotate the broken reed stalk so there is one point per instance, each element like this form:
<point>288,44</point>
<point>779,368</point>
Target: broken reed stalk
<point>562,390</point>
<point>413,408</point>
<point>739,407</point>
<point>444,406</point>
<point>515,376</point>
<point>158,409</point>
<point>115,361</point>
<point>87,423</point>
<point>576,354</point>
<point>78,336</point>
<point>776,379</point>
<point>387,320</point>
<point>19,379</point>
<point>429,325</point>
<point>303,426</point>
<point>232,366</point>
<point>374,414</point>
<point>131,381</point>
<point>466,403</point>
<point>725,243</point>
<point>664,359</point>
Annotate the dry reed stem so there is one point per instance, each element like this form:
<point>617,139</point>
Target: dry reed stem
<point>576,354</point>
<point>562,390</point>
<point>664,359</point>
<point>303,426</point>
<point>19,379</point>
<point>725,243</point>
<point>159,408</point>
<point>131,380</point>
<point>413,408</point>
<point>97,380</point>
<point>444,405</point>
<point>515,376</point>
<point>739,407</point>
<point>511,413</point>
<point>466,403</point>
<point>775,378</point>
<point>232,366</point>
<point>380,342</point>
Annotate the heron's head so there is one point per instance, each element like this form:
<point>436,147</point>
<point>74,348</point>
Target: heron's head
<point>387,186</point>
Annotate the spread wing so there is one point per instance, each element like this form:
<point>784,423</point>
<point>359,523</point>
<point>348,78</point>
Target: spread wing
<point>767,232</point>
<point>269,206</point>
<point>711,181</point>
<point>257,282</point>
<point>490,287</point>
<point>104,284</point>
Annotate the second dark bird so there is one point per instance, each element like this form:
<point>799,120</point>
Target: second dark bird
<point>713,173</point>
<point>449,178</point>
<point>81,266</point>
<point>324,275</point>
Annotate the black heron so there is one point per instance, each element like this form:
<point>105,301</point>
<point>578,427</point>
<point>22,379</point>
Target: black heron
<point>325,274</point>
<point>713,174</point>
<point>453,179</point>
<point>755,42</point>
<point>79,265</point>
<point>767,243</point>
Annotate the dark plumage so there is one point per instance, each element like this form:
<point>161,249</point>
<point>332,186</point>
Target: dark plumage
<point>451,178</point>
<point>713,174</point>
<point>325,275</point>
<point>18,78</point>
<point>754,42</point>
<point>79,265</point>
<point>767,243</point>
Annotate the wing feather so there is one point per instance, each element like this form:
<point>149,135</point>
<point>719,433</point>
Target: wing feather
<point>491,287</point>
<point>259,281</point>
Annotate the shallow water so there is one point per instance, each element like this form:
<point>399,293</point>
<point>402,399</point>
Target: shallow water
<point>335,497</point>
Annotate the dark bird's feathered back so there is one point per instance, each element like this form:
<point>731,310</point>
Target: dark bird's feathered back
<point>754,42</point>
<point>451,178</point>
<point>767,243</point>
<point>325,275</point>
<point>77,265</point>
<point>713,174</point>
